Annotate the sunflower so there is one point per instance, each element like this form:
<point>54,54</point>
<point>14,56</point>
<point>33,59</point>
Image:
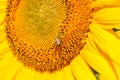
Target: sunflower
<point>59,39</point>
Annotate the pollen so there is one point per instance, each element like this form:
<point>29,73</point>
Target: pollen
<point>46,35</point>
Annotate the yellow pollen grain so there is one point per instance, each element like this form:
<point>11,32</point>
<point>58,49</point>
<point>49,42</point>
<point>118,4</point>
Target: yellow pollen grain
<point>47,34</point>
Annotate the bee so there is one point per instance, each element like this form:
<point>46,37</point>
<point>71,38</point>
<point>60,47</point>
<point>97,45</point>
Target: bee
<point>58,39</point>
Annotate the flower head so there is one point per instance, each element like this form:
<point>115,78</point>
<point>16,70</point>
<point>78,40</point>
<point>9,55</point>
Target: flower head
<point>60,39</point>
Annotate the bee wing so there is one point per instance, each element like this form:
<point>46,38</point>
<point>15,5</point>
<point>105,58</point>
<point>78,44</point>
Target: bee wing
<point>58,41</point>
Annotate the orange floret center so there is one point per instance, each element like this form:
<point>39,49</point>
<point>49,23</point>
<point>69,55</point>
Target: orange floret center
<point>47,35</point>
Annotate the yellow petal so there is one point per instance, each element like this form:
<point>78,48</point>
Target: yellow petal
<point>59,75</point>
<point>2,25</point>
<point>6,60</point>
<point>90,43</point>
<point>25,74</point>
<point>105,3</point>
<point>10,72</point>
<point>108,16</point>
<point>118,33</point>
<point>42,76</point>
<point>117,69</point>
<point>3,1</point>
<point>80,69</point>
<point>101,77</point>
<point>98,63</point>
<point>3,4</point>
<point>110,26</point>
<point>2,33</point>
<point>106,41</point>
<point>68,73</point>
<point>4,47</point>
<point>52,76</point>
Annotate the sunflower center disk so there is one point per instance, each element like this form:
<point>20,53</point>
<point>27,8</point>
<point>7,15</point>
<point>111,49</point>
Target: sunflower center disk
<point>47,34</point>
